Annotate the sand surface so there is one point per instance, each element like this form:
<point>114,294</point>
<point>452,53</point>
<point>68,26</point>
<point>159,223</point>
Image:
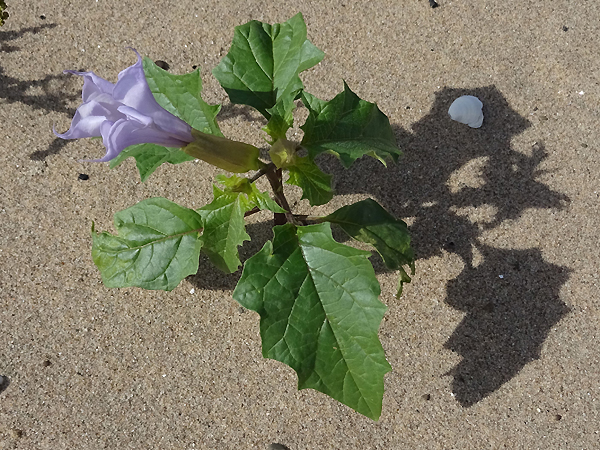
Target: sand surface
<point>494,345</point>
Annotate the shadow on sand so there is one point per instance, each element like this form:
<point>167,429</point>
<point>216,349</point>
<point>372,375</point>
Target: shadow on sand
<point>48,93</point>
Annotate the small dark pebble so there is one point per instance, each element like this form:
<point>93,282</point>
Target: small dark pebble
<point>162,64</point>
<point>408,107</point>
<point>427,397</point>
<point>43,17</point>
<point>194,67</point>
<point>4,382</point>
<point>584,145</point>
<point>276,446</point>
<point>558,417</point>
<point>47,363</point>
<point>433,3</point>
<point>565,28</point>
<point>83,176</point>
<point>535,109</point>
<point>16,433</point>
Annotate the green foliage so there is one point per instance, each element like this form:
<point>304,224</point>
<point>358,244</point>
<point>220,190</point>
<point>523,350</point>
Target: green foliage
<point>224,229</point>
<point>347,127</point>
<point>255,198</point>
<point>157,246</point>
<point>315,184</point>
<point>261,69</point>
<point>223,218</point>
<point>368,222</point>
<point>319,313</point>
<point>3,13</point>
<point>282,118</point>
<point>148,157</point>
<point>181,96</point>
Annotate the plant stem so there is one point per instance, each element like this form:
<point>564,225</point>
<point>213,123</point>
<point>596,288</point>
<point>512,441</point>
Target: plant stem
<point>275,179</point>
<point>306,218</point>
<point>254,210</point>
<point>264,168</point>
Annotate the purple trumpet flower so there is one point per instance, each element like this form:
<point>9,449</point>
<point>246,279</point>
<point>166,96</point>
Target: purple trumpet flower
<point>124,114</point>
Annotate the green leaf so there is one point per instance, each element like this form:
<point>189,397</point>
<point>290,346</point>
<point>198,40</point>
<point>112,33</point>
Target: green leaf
<point>319,313</point>
<point>148,157</point>
<point>260,200</point>
<point>315,184</point>
<point>263,64</point>
<point>282,118</point>
<point>181,96</point>
<point>263,201</point>
<point>347,127</point>
<point>224,229</point>
<point>157,246</point>
<point>369,222</point>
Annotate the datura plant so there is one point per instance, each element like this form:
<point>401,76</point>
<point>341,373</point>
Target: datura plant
<point>317,298</point>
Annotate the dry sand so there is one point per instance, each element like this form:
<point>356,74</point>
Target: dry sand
<point>494,345</point>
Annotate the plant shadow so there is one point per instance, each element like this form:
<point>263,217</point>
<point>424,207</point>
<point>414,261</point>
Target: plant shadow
<point>454,183</point>
<point>48,93</point>
<point>511,303</point>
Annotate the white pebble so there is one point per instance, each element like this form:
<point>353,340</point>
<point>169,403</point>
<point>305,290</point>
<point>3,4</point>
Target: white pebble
<point>468,110</point>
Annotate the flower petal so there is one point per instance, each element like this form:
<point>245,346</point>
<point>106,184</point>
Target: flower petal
<point>132,90</point>
<point>93,85</point>
<point>123,133</point>
<point>134,114</point>
<point>87,121</point>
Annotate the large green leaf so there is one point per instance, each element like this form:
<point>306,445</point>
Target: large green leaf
<point>157,246</point>
<point>263,64</point>
<point>348,127</point>
<point>315,184</point>
<point>319,313</point>
<point>148,157</point>
<point>367,221</point>
<point>181,96</point>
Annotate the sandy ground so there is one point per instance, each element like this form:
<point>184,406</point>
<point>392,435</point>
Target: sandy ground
<point>494,345</point>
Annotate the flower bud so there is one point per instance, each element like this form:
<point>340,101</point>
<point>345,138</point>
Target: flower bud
<point>283,153</point>
<point>233,156</point>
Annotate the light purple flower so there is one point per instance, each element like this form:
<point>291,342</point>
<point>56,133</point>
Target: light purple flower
<point>124,114</point>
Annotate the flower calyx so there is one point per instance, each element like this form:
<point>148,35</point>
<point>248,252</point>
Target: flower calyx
<point>283,153</point>
<point>233,156</point>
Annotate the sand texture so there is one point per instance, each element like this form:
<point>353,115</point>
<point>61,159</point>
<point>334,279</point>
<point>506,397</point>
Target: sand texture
<point>495,344</point>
